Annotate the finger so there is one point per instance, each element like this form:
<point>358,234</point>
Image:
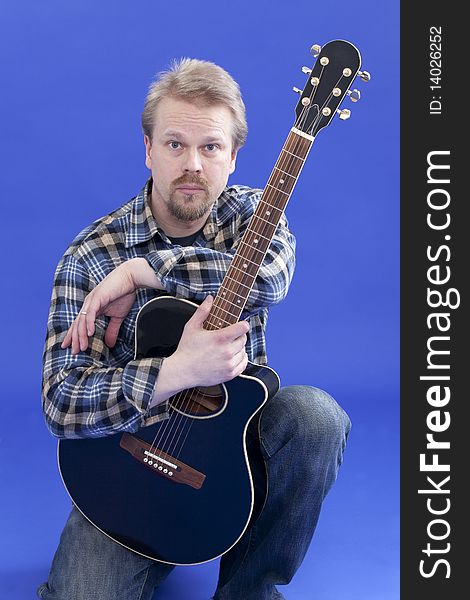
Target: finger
<point>67,339</point>
<point>239,343</point>
<point>234,331</point>
<point>75,341</point>
<point>240,362</point>
<point>202,312</point>
<point>112,331</point>
<point>76,333</point>
<point>81,327</point>
<point>86,322</point>
<point>81,331</point>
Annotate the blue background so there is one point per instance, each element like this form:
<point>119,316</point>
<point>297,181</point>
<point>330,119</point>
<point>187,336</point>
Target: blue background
<point>74,77</point>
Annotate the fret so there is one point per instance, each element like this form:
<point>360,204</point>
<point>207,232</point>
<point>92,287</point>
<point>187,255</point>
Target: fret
<point>244,259</point>
<point>281,183</point>
<point>277,189</point>
<point>218,319</point>
<point>213,326</point>
<point>232,266</point>
<point>254,258</point>
<point>298,141</point>
<point>271,202</point>
<point>227,276</point>
<point>293,149</point>
<point>257,235</point>
<point>293,168</point>
<point>224,299</point>
<point>286,173</point>
<point>268,205</point>
<point>292,154</point>
<point>253,246</point>
<point>220,308</point>
<point>285,187</point>
<point>261,219</point>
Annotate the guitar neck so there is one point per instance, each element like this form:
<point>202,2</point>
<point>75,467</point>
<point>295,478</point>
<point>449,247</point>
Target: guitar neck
<point>254,244</point>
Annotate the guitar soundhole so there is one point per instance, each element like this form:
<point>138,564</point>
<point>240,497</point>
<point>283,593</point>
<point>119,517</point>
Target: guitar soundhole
<point>201,401</point>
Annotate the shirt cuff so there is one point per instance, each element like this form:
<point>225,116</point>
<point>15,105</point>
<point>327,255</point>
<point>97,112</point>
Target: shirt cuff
<point>139,378</point>
<point>162,262</point>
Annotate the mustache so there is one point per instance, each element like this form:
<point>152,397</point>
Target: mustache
<point>191,179</point>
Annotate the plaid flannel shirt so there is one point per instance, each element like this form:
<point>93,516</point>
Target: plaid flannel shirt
<point>104,390</point>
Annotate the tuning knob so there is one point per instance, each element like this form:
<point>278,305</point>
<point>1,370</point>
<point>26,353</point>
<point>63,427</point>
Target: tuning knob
<point>306,70</point>
<point>354,95</point>
<point>344,114</point>
<point>296,89</point>
<point>315,50</point>
<point>364,75</point>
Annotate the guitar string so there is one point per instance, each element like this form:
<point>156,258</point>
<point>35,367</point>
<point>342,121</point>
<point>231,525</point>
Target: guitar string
<point>209,324</point>
<point>172,424</point>
<point>287,166</point>
<point>244,258</point>
<point>265,226</point>
<point>296,148</point>
<point>165,443</point>
<point>170,445</point>
<point>173,449</point>
<point>283,163</point>
<point>216,313</point>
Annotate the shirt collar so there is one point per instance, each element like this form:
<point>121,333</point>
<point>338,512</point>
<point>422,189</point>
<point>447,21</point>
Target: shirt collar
<point>143,226</point>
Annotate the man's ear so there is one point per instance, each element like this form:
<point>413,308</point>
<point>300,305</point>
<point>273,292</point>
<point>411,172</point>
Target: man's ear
<point>148,152</point>
<point>233,161</point>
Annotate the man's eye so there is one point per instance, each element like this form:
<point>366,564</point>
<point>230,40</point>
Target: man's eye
<point>174,145</point>
<point>211,147</point>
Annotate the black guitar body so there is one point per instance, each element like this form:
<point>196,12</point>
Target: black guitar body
<point>149,511</point>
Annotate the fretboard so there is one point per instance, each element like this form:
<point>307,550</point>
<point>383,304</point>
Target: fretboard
<point>254,244</point>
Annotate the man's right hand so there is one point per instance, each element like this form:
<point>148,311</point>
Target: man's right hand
<point>203,357</point>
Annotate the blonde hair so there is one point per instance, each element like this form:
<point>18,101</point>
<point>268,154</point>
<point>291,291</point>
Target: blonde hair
<point>192,79</point>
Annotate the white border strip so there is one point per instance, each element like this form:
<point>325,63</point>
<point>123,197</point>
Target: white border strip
<point>303,134</point>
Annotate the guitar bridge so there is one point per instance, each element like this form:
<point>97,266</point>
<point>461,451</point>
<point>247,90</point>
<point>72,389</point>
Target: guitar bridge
<point>161,463</point>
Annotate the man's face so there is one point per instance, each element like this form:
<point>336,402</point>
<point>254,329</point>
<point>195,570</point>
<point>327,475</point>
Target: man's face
<point>190,156</point>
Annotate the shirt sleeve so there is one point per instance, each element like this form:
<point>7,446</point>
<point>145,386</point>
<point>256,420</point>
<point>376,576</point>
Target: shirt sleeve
<point>193,272</point>
<point>99,391</point>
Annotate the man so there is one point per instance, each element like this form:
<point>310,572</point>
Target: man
<point>178,237</point>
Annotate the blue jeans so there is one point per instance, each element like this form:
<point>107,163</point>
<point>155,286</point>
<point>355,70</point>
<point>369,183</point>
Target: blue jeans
<point>303,436</point>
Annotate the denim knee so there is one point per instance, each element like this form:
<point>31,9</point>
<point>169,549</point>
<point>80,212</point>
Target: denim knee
<point>307,414</point>
<point>320,414</point>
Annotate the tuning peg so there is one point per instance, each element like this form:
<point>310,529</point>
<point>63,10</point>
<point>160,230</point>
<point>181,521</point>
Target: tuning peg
<point>344,114</point>
<point>315,50</point>
<point>354,95</point>
<point>364,75</point>
<point>296,89</point>
<point>306,70</point>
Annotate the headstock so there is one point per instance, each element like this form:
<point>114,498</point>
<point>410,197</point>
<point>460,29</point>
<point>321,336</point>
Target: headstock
<point>329,81</point>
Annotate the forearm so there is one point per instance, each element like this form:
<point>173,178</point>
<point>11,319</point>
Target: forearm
<point>96,401</point>
<point>199,271</point>
<point>170,381</point>
<point>100,390</point>
<point>142,274</point>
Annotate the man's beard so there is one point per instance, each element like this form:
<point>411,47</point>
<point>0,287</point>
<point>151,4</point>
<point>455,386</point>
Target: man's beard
<point>189,207</point>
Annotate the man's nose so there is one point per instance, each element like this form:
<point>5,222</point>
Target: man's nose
<point>192,161</point>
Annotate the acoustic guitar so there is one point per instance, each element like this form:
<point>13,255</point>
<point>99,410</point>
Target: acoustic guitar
<point>183,491</point>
